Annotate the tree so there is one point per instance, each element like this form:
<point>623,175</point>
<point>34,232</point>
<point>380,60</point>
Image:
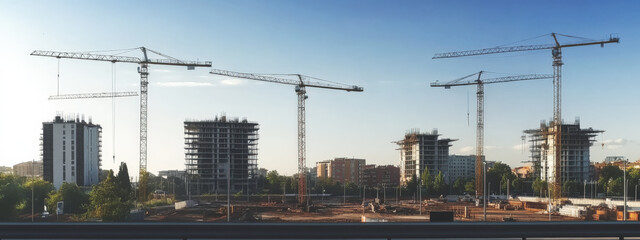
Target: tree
<point>11,194</point>
<point>439,185</point>
<point>615,187</point>
<point>458,185</point>
<point>470,187</point>
<point>412,185</point>
<point>570,187</point>
<point>124,183</point>
<point>427,180</point>
<point>106,202</point>
<point>41,190</point>
<point>143,185</point>
<point>517,186</point>
<point>539,186</point>
<point>75,200</point>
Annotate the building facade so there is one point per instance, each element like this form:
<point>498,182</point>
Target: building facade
<point>342,170</point>
<point>375,176</point>
<point>71,151</point>
<point>419,151</point>
<point>575,152</point>
<point>219,150</point>
<point>6,170</point>
<point>462,166</point>
<point>523,171</point>
<point>28,169</point>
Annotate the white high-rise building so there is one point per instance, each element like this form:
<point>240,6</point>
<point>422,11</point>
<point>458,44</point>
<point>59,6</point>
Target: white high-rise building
<point>71,151</point>
<point>462,166</point>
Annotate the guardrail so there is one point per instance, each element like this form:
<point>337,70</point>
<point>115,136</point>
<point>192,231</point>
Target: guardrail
<point>316,230</point>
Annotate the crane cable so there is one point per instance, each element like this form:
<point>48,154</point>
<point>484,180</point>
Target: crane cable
<point>58,76</point>
<point>113,108</point>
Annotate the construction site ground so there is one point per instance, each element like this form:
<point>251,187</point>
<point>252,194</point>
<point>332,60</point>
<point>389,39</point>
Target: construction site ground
<point>334,210</point>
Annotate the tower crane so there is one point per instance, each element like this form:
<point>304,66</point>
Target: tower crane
<point>556,53</point>
<point>143,69</point>
<point>479,82</point>
<point>301,83</point>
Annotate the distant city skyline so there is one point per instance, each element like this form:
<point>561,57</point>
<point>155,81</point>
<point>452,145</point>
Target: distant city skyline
<point>383,46</point>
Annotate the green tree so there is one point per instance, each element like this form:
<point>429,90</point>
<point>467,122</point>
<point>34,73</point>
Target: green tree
<point>412,185</point>
<point>615,186</point>
<point>427,180</point>
<point>569,187</point>
<point>41,190</point>
<point>458,185</point>
<point>539,186</point>
<point>75,200</point>
<point>106,202</point>
<point>517,186</point>
<point>11,194</point>
<point>124,183</point>
<point>143,185</point>
<point>470,187</point>
<point>439,185</point>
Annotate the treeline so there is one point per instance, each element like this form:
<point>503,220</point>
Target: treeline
<point>110,200</point>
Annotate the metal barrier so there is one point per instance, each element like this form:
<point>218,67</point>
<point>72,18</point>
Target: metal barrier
<point>316,230</point>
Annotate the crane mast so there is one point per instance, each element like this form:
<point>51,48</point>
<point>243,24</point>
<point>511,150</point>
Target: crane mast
<point>301,83</point>
<point>479,82</point>
<point>556,51</point>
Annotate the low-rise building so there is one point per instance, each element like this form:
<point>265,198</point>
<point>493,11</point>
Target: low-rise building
<point>341,170</point>
<point>525,171</point>
<point>5,170</point>
<point>388,176</point>
<point>28,169</point>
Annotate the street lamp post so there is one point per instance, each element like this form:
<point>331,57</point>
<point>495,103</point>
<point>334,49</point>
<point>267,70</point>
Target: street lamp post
<point>484,187</point>
<point>636,193</point>
<point>33,177</point>
<point>584,192</point>
<point>624,213</point>
<point>344,194</point>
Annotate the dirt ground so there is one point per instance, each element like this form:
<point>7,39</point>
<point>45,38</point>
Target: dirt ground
<point>333,210</point>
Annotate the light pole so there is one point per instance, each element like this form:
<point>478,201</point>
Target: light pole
<point>344,194</point>
<point>636,193</point>
<point>508,185</point>
<point>624,213</point>
<point>484,187</point>
<point>584,192</point>
<point>33,183</point>
<point>420,194</point>
<point>384,193</point>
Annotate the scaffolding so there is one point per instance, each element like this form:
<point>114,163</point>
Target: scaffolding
<point>574,158</point>
<point>216,148</point>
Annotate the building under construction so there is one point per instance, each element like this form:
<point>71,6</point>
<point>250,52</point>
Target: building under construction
<point>575,157</point>
<point>419,151</point>
<point>219,150</point>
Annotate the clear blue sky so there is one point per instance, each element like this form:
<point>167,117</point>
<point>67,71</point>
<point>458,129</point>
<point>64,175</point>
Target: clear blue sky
<point>384,46</point>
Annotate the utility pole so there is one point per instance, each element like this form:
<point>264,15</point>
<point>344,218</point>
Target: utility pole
<point>584,192</point>
<point>624,213</point>
<point>229,191</point>
<point>420,194</point>
<point>508,185</point>
<point>344,194</point>
<point>484,185</point>
<point>33,183</point>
